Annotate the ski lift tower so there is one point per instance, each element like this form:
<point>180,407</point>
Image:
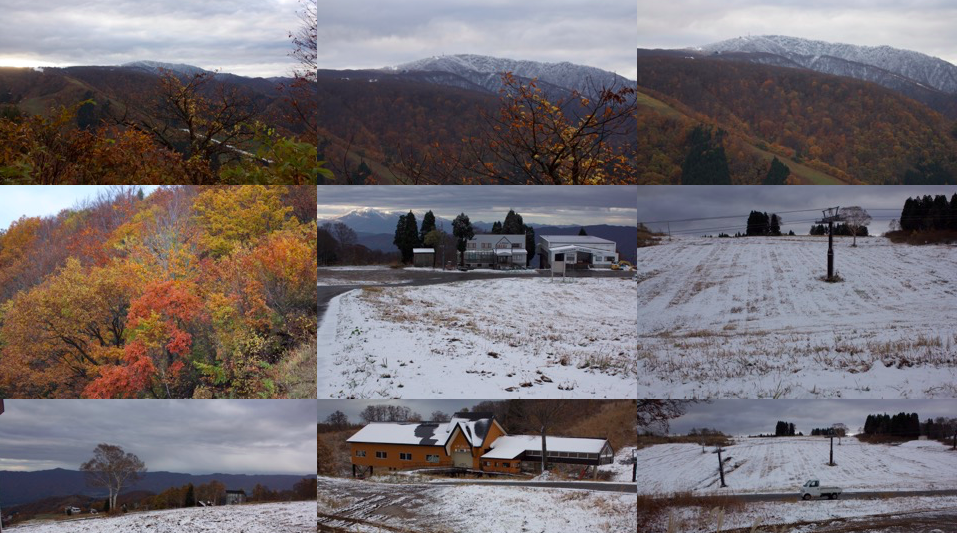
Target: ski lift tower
<point>830,216</point>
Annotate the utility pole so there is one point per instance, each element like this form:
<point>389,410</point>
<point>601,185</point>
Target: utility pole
<point>832,217</point>
<point>669,232</point>
<point>722,478</point>
<point>830,452</point>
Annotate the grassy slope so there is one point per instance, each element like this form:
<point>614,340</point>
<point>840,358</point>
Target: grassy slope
<point>808,175</point>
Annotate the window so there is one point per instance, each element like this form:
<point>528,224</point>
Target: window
<point>361,453</point>
<point>610,259</point>
<point>558,257</point>
<point>486,463</point>
<point>471,246</point>
<point>432,458</point>
<point>505,465</point>
<point>515,245</point>
<point>406,456</point>
<point>381,455</point>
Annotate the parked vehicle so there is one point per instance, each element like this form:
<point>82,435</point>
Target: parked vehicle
<point>812,489</point>
<point>70,511</point>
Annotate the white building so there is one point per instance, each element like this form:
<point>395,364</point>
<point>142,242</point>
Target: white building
<point>583,251</point>
<point>496,251</point>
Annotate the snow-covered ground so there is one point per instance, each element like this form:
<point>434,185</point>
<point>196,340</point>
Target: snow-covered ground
<point>622,466</point>
<point>783,464</point>
<point>915,513</point>
<point>293,517</point>
<point>363,505</point>
<point>750,318</point>
<point>516,337</point>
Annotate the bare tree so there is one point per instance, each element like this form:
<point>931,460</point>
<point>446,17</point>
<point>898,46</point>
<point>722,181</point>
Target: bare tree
<point>654,415</point>
<point>840,430</point>
<point>439,416</point>
<point>544,414</point>
<point>856,218</point>
<point>338,419</point>
<point>113,469</point>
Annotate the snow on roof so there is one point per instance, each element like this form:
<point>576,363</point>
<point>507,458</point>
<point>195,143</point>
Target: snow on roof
<point>511,446</point>
<point>423,433</point>
<point>497,237</point>
<point>575,239</point>
<point>571,247</point>
<point>423,251</point>
<point>510,251</point>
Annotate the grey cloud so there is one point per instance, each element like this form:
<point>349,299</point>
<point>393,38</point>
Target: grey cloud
<point>248,38</point>
<point>927,27</point>
<point>572,204</point>
<point>383,32</point>
<point>193,436</point>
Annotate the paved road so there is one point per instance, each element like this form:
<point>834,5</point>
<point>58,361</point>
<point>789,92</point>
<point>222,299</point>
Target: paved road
<point>770,497</point>
<point>581,485</point>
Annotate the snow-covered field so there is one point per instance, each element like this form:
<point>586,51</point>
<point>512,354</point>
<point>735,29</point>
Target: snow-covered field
<point>517,337</point>
<point>750,318</point>
<point>294,517</point>
<point>364,505</point>
<point>622,466</point>
<point>783,464</point>
<point>913,512</point>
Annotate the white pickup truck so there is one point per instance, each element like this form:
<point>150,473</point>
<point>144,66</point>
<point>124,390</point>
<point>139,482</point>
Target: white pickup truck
<point>812,489</point>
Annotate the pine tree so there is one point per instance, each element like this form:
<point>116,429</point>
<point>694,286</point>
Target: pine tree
<point>429,224</point>
<point>406,236</point>
<point>774,221</point>
<point>463,231</point>
<point>513,225</point>
<point>190,500</point>
<point>497,228</point>
<point>705,163</point>
<point>530,243</point>
<point>777,174</point>
<point>582,231</point>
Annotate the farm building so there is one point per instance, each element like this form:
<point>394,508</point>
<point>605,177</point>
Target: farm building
<point>424,257</point>
<point>471,441</point>
<point>234,497</point>
<point>578,251</point>
<point>496,251</point>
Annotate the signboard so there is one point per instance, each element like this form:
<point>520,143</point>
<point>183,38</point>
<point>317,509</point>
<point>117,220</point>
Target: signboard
<point>558,264</point>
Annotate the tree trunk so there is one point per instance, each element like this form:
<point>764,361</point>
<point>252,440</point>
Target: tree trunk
<point>542,433</point>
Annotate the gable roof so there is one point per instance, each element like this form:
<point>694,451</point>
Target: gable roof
<point>512,446</point>
<point>473,426</point>
<point>575,239</point>
<point>494,238</point>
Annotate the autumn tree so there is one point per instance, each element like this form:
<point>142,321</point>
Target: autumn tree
<point>231,216</point>
<point>577,139</point>
<point>112,468</point>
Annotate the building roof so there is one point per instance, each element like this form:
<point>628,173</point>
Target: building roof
<point>574,239</point>
<point>474,428</point>
<point>424,251</point>
<point>493,238</point>
<point>510,251</point>
<point>512,446</point>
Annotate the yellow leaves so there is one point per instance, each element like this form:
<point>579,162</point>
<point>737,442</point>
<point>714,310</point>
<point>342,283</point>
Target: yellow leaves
<point>232,217</point>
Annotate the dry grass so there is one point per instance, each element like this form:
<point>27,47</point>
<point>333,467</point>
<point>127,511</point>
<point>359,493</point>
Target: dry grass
<point>918,238</point>
<point>296,372</point>
<point>644,441</point>
<point>653,510</point>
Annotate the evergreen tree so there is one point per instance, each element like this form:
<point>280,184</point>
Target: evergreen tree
<point>497,228</point>
<point>406,236</point>
<point>429,224</point>
<point>582,231</point>
<point>513,225</point>
<point>190,500</point>
<point>774,221</point>
<point>706,163</point>
<point>463,231</point>
<point>777,174</point>
<point>757,224</point>
<point>530,243</point>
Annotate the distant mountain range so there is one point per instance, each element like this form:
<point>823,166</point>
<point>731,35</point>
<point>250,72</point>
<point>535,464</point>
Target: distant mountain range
<point>375,229</point>
<point>927,79</point>
<point>25,487</point>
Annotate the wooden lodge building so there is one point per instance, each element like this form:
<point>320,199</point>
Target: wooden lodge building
<point>469,441</point>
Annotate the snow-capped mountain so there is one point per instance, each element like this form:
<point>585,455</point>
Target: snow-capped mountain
<point>485,71</point>
<point>371,220</point>
<point>847,60</point>
<point>156,66</point>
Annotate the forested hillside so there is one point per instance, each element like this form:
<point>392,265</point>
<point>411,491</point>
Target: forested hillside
<point>706,120</point>
<point>187,292</point>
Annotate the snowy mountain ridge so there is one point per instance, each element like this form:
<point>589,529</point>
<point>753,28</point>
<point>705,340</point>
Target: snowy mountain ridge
<point>157,66</point>
<point>485,71</point>
<point>821,56</point>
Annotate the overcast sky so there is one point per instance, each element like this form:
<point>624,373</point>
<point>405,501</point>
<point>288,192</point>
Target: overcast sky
<point>751,417</point>
<point>186,436</point>
<point>379,33</point>
<point>927,26</point>
<point>44,200</point>
<point>245,37</point>
<point>554,204</point>
<point>353,408</point>
<point>660,203</point>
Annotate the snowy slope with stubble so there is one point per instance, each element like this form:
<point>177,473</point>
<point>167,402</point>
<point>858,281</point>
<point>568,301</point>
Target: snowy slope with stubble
<point>294,517</point>
<point>783,464</point>
<point>485,71</point>
<point>929,71</point>
<point>749,317</point>
<point>514,337</point>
